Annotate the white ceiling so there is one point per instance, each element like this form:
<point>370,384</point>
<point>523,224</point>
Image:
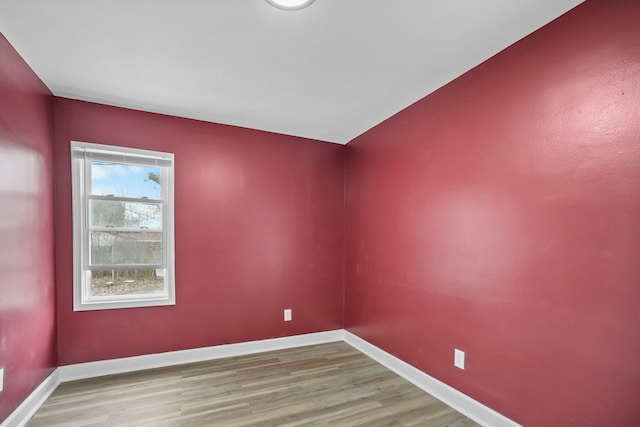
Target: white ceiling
<point>328,72</point>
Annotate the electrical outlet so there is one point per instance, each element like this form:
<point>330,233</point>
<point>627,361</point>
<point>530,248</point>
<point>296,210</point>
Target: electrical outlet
<point>287,315</point>
<point>1,379</point>
<point>458,358</point>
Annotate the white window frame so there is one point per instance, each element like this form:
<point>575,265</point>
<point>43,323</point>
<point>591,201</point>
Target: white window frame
<point>81,155</point>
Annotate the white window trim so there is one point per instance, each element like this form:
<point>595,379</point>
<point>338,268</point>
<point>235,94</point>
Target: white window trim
<point>80,303</point>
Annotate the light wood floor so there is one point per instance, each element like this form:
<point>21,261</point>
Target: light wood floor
<point>328,384</point>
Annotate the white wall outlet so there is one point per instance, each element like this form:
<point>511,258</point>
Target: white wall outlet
<point>1,379</point>
<point>458,358</point>
<point>287,315</point>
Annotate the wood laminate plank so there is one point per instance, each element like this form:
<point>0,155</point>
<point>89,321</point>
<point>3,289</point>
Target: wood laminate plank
<point>322,385</point>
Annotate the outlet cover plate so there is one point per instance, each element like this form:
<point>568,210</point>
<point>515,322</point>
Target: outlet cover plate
<point>1,379</point>
<point>458,358</point>
<point>287,315</point>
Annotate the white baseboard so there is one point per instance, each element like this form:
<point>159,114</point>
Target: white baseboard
<point>450,396</point>
<point>158,360</point>
<point>31,404</point>
<point>459,401</point>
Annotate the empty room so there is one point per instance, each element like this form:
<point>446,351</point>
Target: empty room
<point>320,212</point>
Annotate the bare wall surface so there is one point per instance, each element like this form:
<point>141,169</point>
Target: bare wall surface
<point>259,228</point>
<point>27,297</point>
<point>501,216</point>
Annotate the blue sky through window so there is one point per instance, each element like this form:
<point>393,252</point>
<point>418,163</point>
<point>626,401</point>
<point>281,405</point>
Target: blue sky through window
<point>121,180</point>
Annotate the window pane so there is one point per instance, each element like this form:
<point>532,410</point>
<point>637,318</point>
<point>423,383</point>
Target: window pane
<point>107,213</point>
<point>127,282</point>
<point>126,248</point>
<point>122,180</point>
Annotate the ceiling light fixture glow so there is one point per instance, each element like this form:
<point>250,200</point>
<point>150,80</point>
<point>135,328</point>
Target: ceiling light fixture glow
<point>290,4</point>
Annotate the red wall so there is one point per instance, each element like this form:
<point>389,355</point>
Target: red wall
<point>259,228</point>
<point>501,216</point>
<point>27,304</point>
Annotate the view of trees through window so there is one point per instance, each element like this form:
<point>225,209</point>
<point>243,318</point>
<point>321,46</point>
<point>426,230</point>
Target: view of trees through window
<point>126,229</point>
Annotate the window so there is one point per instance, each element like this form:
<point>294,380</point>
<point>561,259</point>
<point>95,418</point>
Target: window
<point>123,243</point>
